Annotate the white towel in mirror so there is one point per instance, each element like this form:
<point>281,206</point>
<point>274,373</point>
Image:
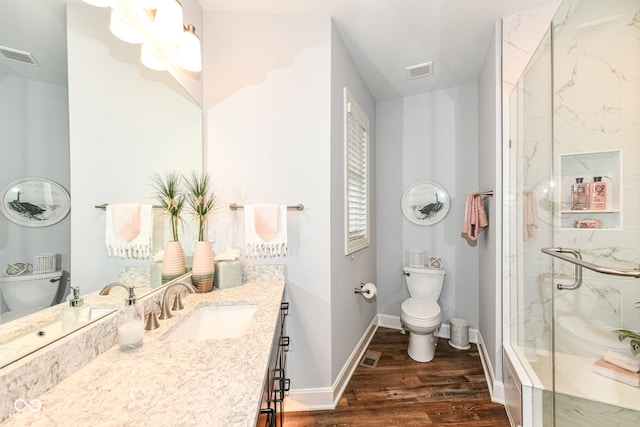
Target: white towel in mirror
<point>127,236</point>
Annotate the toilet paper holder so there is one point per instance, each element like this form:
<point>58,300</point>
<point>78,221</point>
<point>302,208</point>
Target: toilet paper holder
<point>362,291</point>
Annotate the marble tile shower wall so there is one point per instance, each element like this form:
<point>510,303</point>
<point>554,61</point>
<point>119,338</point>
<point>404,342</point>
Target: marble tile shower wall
<point>521,34</point>
<point>534,178</point>
<point>596,107</point>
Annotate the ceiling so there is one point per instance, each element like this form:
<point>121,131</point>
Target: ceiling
<point>382,36</point>
<point>40,28</point>
<point>385,36</point>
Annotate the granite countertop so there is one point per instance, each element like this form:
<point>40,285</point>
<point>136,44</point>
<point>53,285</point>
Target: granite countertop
<point>172,383</point>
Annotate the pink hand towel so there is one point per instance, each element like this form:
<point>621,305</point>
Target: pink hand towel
<point>266,220</point>
<point>126,220</point>
<point>475,216</point>
<point>530,215</point>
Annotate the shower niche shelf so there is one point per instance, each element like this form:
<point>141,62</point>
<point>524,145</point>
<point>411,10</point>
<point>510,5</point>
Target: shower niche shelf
<point>608,165</point>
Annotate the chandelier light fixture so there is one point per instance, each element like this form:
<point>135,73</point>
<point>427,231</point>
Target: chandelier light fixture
<point>157,25</point>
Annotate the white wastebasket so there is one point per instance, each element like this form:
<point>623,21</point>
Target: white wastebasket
<point>459,334</point>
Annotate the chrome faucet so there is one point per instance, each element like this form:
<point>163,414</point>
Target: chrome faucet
<point>130,300</point>
<point>165,310</point>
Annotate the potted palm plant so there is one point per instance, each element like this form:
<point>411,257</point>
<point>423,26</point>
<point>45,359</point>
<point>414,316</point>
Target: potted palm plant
<point>172,199</point>
<point>634,337</point>
<point>201,203</point>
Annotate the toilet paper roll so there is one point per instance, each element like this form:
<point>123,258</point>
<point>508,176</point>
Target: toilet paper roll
<point>369,291</point>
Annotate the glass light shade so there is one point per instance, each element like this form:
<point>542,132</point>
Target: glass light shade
<point>122,30</point>
<point>189,56</point>
<point>150,60</point>
<point>97,3</point>
<point>168,21</point>
<point>148,4</point>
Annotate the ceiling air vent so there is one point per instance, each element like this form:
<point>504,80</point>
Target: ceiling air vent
<point>420,70</point>
<point>18,55</point>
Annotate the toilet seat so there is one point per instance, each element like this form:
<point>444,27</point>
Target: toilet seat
<point>421,309</point>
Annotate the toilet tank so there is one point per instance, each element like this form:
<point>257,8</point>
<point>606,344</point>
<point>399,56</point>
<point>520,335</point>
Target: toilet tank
<point>424,282</point>
<point>30,290</point>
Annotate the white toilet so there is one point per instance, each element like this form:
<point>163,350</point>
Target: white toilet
<point>420,314</point>
<point>28,293</point>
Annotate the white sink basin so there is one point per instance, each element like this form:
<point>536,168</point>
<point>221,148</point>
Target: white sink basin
<point>97,312</point>
<point>214,322</point>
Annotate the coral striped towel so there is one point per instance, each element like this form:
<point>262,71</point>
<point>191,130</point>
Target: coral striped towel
<point>609,370</point>
<point>265,230</point>
<point>475,216</point>
<point>129,229</point>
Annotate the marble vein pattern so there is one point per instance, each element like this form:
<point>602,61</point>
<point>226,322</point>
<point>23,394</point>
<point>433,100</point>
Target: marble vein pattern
<point>170,383</point>
<point>596,112</point>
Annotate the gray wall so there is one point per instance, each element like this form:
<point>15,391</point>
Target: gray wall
<point>35,143</point>
<point>350,313</point>
<point>430,136</point>
<point>489,164</point>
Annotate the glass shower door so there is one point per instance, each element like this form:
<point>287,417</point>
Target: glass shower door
<point>595,236</point>
<point>531,228</point>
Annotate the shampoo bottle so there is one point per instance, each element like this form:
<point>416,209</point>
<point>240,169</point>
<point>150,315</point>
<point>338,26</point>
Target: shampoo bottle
<point>130,323</point>
<point>579,195</point>
<point>598,194</point>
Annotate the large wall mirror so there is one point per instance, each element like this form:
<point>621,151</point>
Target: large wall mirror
<point>92,119</point>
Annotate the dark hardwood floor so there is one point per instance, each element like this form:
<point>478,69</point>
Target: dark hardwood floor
<point>451,390</point>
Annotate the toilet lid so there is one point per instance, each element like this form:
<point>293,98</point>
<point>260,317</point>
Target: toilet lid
<point>421,308</point>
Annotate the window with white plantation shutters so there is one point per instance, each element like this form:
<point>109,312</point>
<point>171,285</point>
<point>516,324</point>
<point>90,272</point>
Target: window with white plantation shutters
<point>356,143</point>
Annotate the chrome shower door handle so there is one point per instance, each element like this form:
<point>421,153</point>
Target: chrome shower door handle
<point>577,273</point>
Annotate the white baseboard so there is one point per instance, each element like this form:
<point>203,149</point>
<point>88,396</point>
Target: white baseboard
<point>314,399</point>
<point>496,388</point>
<point>387,321</point>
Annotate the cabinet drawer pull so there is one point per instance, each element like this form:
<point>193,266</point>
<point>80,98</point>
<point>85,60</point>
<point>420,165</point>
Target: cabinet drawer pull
<point>284,307</point>
<point>284,342</point>
<point>278,396</point>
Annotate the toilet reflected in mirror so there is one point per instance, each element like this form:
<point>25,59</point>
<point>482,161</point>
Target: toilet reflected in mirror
<point>27,293</point>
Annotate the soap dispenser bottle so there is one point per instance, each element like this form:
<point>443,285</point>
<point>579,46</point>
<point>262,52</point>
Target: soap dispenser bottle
<point>76,312</point>
<point>130,323</point>
<point>579,195</point>
<point>598,194</point>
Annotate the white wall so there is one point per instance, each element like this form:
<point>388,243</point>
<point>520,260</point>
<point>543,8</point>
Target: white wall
<point>126,122</point>
<point>273,102</point>
<point>350,313</point>
<point>430,136</point>
<point>489,163</point>
<point>35,143</point>
<point>267,104</point>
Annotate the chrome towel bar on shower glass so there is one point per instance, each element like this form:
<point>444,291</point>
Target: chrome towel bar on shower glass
<point>579,262</point>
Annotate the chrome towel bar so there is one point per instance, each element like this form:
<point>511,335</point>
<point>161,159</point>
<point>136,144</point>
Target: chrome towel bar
<point>558,253</point>
<point>104,206</point>
<point>298,207</point>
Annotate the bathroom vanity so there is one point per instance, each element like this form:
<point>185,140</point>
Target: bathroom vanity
<point>186,380</point>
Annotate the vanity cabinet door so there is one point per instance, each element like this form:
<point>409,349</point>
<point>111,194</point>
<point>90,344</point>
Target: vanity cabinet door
<point>277,383</point>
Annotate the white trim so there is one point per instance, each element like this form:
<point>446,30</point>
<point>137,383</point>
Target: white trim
<point>388,321</point>
<point>349,368</point>
<point>323,398</point>
<point>496,388</point>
